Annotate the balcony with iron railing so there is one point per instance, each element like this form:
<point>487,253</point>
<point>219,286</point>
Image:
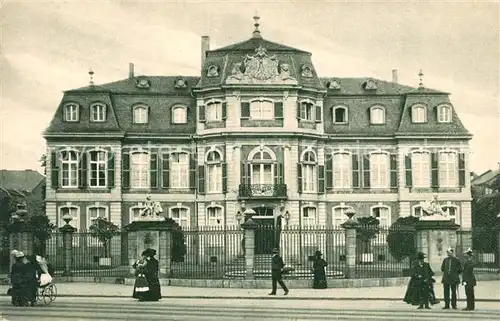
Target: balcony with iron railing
<point>247,191</point>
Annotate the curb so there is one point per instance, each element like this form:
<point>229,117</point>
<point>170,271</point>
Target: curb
<point>278,297</point>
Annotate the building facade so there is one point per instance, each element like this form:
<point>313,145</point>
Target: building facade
<point>257,129</point>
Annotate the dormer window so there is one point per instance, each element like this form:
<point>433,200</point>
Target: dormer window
<point>180,83</point>
<point>179,115</point>
<point>377,115</point>
<point>334,84</point>
<point>370,84</point>
<point>98,113</point>
<point>140,115</point>
<point>419,114</point>
<point>340,115</point>
<point>444,114</point>
<point>143,83</point>
<point>71,112</point>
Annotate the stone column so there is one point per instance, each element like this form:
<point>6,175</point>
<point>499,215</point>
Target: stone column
<point>67,232</point>
<point>165,253</point>
<point>132,250</point>
<point>435,234</point>
<point>350,245</point>
<point>249,227</point>
<point>15,244</point>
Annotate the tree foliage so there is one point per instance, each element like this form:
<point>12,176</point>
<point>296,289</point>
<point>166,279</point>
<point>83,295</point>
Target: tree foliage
<point>367,229</point>
<point>178,241</point>
<point>104,231</point>
<point>401,238</point>
<point>485,211</point>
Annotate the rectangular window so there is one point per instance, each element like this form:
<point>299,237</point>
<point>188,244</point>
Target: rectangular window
<point>262,110</point>
<point>71,112</point>
<point>383,215</point>
<point>179,170</point>
<point>448,169</point>
<point>341,171</point>
<point>262,174</point>
<point>69,164</point>
<point>98,169</point>
<point>140,115</point>
<point>451,212</point>
<point>418,211</point>
<point>180,216</point>
<point>135,212</point>
<point>444,114</point>
<point>98,113</point>
<point>214,112</point>
<point>309,178</point>
<point>214,178</point>
<point>179,115</point>
<point>307,111</point>
<point>421,170</point>
<point>418,114</point>
<point>308,216</point>
<point>140,170</point>
<point>214,216</point>
<point>339,216</point>
<point>379,171</point>
<point>95,212</point>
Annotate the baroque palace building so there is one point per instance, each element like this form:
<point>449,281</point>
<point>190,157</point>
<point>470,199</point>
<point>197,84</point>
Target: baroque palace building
<point>257,129</point>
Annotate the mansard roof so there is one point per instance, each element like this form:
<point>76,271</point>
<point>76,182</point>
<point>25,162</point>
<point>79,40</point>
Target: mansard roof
<point>255,42</point>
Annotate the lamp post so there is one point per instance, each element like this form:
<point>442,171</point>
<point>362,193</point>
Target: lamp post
<point>239,216</point>
<point>286,217</point>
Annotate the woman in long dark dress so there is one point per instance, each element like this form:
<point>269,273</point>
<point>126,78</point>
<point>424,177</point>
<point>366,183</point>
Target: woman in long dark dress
<point>414,290</point>
<point>19,291</point>
<point>151,274</point>
<point>33,273</point>
<point>319,265</point>
<point>141,286</point>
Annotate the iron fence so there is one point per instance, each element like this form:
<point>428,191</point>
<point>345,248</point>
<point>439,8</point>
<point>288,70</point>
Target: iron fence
<point>211,252</point>
<point>383,252</point>
<point>484,242</point>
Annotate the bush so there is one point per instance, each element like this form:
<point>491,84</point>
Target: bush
<point>178,241</point>
<point>104,231</point>
<point>401,238</point>
<point>367,230</point>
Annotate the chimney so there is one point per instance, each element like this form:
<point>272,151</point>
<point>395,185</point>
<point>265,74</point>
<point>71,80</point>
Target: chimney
<point>130,70</point>
<point>205,46</point>
<point>395,76</point>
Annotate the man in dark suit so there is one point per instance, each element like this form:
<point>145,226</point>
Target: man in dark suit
<point>469,281</point>
<point>422,274</point>
<point>277,266</point>
<point>451,269</point>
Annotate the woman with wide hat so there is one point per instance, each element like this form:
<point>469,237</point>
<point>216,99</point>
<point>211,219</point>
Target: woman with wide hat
<point>420,285</point>
<point>150,271</point>
<point>319,273</point>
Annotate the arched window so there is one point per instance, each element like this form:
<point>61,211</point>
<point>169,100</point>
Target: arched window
<point>342,174</point>
<point>383,214</point>
<point>419,114</point>
<point>444,114</point>
<point>140,114</point>
<point>179,170</point>
<point>309,216</point>
<point>139,169</point>
<point>448,169</point>
<point>421,169</point>
<point>215,215</point>
<point>97,173</point>
<point>340,115</point>
<point>214,111</point>
<point>261,170</point>
<point>179,115</point>
<point>377,115</point>
<point>261,109</point>
<point>180,215</point>
<point>307,111</point>
<point>94,212</point>
<point>71,210</point>
<point>69,168</point>
<point>98,112</point>
<point>71,112</point>
<point>379,170</point>
<point>309,180</point>
<point>214,172</point>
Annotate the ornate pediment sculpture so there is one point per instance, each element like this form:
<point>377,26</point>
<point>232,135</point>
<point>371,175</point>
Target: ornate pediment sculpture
<point>151,211</point>
<point>260,69</point>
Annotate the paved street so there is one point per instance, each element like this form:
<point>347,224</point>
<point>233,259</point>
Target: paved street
<point>285,308</point>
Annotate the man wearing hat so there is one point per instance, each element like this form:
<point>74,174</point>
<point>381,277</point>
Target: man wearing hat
<point>422,274</point>
<point>277,266</point>
<point>469,281</point>
<point>451,269</point>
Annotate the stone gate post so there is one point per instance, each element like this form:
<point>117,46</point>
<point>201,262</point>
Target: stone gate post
<point>249,226</point>
<point>350,245</point>
<point>67,233</point>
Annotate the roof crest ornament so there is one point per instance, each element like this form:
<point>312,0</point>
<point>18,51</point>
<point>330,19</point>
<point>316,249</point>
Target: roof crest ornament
<point>91,73</point>
<point>421,75</point>
<point>256,32</point>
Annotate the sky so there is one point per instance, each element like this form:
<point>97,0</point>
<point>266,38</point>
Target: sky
<point>48,47</point>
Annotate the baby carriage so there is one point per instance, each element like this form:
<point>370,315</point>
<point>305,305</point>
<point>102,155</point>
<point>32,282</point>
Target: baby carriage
<point>47,291</point>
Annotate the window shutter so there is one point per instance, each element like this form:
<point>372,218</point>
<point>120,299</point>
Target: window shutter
<point>366,170</point>
<point>356,177</point>
<point>394,170</point>
<point>224,178</point>
<point>249,170</point>
<point>276,173</point>
<point>54,170</point>
<point>408,171</point>
<point>201,179</point>
<point>111,169</point>
<point>245,110</point>
<point>319,113</point>
<point>83,171</point>
<point>278,110</point>
<point>153,170</point>
<point>299,178</point>
<point>126,170</point>
<point>192,171</point>
<point>329,172</point>
<point>244,174</point>
<point>321,179</point>
<point>461,169</point>
<point>165,170</point>
<point>224,110</point>
<point>299,114</point>
<point>201,113</point>
<point>434,170</point>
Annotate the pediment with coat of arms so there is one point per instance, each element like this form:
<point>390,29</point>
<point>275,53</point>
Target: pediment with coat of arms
<point>260,69</point>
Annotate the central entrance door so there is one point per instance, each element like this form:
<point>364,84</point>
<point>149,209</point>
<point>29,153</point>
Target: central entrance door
<point>265,234</point>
